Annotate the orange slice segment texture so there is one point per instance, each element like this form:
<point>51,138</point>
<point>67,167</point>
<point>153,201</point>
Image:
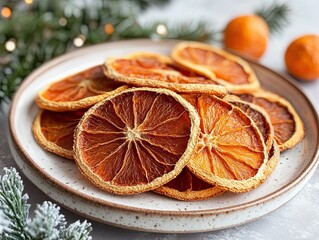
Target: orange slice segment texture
<point>259,115</point>
<point>154,70</point>
<point>262,120</point>
<point>54,131</point>
<point>186,186</point>
<point>136,140</point>
<point>78,91</point>
<point>230,151</point>
<point>288,127</point>
<point>216,64</point>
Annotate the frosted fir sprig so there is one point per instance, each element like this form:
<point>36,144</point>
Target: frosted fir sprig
<point>77,231</point>
<point>47,222</point>
<point>14,208</point>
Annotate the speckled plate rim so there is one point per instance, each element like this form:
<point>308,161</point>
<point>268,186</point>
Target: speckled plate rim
<point>51,64</point>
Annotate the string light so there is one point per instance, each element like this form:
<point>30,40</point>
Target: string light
<point>109,29</point>
<point>10,45</point>
<point>79,40</point>
<point>63,21</point>
<point>6,12</point>
<point>161,29</point>
<point>28,1</point>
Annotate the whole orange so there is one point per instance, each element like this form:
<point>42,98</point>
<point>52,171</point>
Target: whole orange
<point>247,35</point>
<point>302,57</point>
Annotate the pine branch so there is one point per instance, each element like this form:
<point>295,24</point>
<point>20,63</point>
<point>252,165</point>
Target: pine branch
<point>77,231</point>
<point>47,29</point>
<point>13,205</point>
<point>5,224</point>
<point>47,223</point>
<point>276,16</point>
<point>192,31</point>
<point>144,4</point>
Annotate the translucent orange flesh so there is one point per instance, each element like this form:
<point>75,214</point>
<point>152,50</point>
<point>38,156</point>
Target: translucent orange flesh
<point>58,127</point>
<point>258,118</point>
<point>135,137</point>
<point>228,146</point>
<point>153,69</point>
<point>187,181</point>
<point>88,83</point>
<point>281,119</point>
<point>222,67</point>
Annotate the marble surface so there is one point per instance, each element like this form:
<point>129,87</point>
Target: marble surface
<point>299,218</point>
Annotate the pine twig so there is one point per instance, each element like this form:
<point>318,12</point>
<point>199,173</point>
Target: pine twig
<point>144,4</point>
<point>77,231</point>
<point>276,16</point>
<point>13,205</point>
<point>200,31</point>
<point>47,223</point>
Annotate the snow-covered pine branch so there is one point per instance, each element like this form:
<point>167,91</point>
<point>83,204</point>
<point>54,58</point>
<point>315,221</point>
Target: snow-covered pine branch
<point>47,223</point>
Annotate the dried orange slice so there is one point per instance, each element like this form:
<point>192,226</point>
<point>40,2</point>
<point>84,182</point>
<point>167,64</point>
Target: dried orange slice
<point>54,131</point>
<point>264,125</point>
<point>136,140</point>
<point>216,64</point>
<point>78,91</point>
<point>155,70</point>
<point>230,152</point>
<point>187,187</point>
<point>259,115</point>
<point>274,157</point>
<point>288,127</point>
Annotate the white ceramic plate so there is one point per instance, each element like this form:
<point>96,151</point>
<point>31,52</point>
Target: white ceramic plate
<point>61,180</point>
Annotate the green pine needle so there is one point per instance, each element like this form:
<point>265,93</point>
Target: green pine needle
<point>194,32</point>
<point>276,16</point>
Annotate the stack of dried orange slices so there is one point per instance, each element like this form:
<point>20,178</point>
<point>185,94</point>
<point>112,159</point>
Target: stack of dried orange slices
<point>190,126</point>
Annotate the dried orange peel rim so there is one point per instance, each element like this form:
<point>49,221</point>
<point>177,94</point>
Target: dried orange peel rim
<point>233,185</point>
<point>242,88</point>
<point>214,191</point>
<point>299,132</point>
<point>109,71</point>
<point>190,195</point>
<point>236,186</point>
<point>233,99</point>
<point>274,157</point>
<point>48,145</point>
<point>181,163</point>
<point>163,58</point>
<point>87,102</point>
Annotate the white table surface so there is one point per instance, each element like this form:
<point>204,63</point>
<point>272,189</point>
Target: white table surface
<point>297,219</point>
